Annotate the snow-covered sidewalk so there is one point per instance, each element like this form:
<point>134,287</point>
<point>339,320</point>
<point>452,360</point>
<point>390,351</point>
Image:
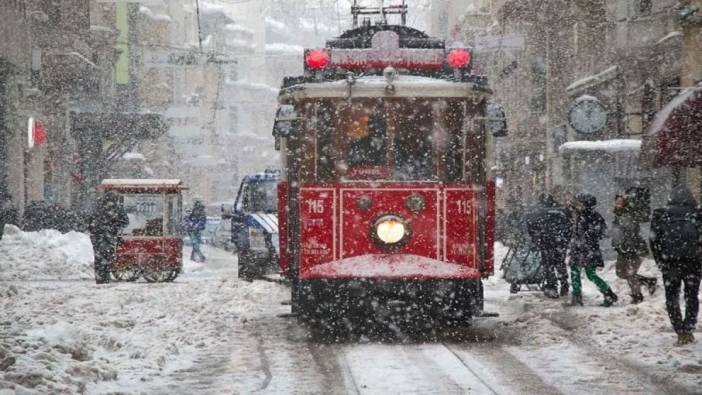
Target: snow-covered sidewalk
<point>68,335</point>
<point>637,336</point>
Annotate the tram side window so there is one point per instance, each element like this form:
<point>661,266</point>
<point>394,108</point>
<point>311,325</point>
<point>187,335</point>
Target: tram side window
<point>413,143</point>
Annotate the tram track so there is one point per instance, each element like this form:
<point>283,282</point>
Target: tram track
<point>471,370</point>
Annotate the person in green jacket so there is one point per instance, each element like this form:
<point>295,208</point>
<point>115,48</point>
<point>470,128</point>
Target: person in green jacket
<point>585,252</point>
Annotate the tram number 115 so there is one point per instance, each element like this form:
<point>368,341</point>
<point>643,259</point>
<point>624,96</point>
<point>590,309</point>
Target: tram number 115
<point>315,206</point>
<point>464,206</point>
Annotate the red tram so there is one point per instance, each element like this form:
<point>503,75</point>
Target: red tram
<point>385,198</point>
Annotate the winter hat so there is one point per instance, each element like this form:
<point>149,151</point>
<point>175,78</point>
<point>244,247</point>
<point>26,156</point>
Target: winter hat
<point>681,196</point>
<point>587,200</point>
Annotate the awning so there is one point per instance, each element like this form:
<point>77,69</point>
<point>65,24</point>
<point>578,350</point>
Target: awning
<point>71,71</point>
<point>115,132</point>
<point>675,136</point>
<point>599,146</point>
<point>119,125</point>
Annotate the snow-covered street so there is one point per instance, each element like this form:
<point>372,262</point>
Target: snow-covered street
<point>210,333</point>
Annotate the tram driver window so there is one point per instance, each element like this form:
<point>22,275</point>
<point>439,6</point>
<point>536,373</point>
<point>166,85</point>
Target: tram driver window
<point>413,143</point>
<point>367,135</point>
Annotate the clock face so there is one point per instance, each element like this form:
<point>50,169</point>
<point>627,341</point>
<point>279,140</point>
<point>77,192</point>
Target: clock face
<point>588,116</point>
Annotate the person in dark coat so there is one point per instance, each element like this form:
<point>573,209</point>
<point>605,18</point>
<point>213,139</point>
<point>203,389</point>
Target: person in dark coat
<point>8,214</point>
<point>105,226</point>
<point>630,247</point>
<point>195,224</point>
<point>675,237</point>
<point>585,252</point>
<point>550,229</point>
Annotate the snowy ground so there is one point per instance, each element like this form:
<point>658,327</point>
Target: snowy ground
<point>211,333</point>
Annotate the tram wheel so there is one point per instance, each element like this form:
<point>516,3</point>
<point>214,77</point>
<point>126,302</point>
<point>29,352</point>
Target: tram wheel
<point>129,274</point>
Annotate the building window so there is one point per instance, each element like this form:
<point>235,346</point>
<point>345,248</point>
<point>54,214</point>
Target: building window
<point>233,120</point>
<point>644,7</point>
<point>669,89</point>
<point>538,83</point>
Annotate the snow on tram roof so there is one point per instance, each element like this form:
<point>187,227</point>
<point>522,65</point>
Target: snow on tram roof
<point>375,86</point>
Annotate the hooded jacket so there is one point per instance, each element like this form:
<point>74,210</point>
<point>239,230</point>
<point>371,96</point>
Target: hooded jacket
<point>590,228</point>
<point>680,205</point>
<point>549,226</point>
<point>109,218</point>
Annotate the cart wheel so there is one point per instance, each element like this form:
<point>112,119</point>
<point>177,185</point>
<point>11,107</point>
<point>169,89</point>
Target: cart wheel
<point>157,276</point>
<point>131,274</point>
<point>172,276</point>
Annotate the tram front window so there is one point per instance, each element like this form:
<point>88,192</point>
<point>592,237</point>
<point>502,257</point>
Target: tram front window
<point>413,145</point>
<point>368,141</point>
<point>388,140</point>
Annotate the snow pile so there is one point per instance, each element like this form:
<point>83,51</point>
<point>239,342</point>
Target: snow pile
<point>47,254</point>
<point>78,337</point>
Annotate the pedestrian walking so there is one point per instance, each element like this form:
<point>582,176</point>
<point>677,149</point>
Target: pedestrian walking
<point>585,252</point>
<point>550,229</point>
<point>675,237</point>
<point>105,225</point>
<point>8,214</point>
<point>195,224</point>
<point>630,246</point>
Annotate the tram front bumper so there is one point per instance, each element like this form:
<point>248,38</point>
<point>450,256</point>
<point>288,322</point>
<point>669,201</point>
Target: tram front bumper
<point>404,267</point>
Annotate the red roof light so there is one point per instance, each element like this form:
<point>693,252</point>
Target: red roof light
<point>317,59</point>
<point>458,58</point>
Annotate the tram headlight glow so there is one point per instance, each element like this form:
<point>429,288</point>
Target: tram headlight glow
<point>391,230</point>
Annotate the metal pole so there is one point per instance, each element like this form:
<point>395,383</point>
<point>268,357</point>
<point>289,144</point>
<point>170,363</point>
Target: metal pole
<point>199,34</point>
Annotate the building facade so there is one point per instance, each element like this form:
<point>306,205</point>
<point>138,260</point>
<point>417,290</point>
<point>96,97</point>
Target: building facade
<point>544,57</point>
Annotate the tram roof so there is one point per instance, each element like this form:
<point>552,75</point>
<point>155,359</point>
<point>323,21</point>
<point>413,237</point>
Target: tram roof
<point>405,86</point>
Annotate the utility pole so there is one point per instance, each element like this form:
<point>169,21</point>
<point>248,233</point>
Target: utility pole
<point>199,34</point>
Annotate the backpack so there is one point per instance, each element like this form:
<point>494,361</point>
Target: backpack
<point>550,229</point>
<point>676,235</point>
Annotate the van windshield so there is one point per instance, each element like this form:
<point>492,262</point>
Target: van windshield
<point>260,196</point>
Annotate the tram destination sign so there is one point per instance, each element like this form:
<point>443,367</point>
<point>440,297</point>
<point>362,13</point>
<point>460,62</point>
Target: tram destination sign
<point>385,51</point>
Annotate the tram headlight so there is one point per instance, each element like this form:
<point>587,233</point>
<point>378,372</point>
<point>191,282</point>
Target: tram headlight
<point>391,231</point>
